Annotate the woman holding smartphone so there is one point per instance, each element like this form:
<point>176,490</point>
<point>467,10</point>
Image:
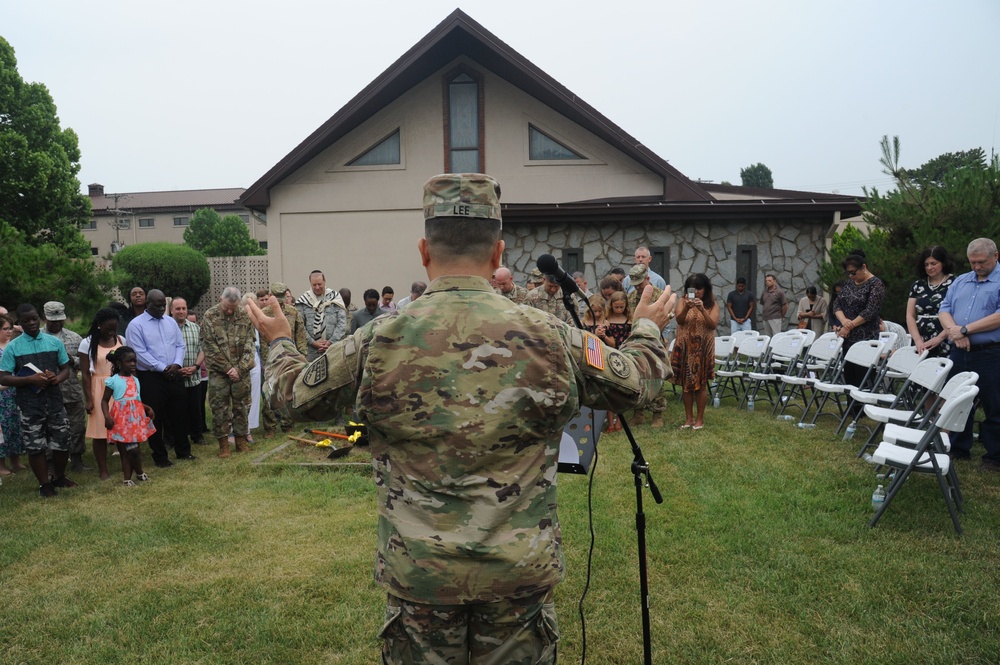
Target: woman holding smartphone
<point>693,357</point>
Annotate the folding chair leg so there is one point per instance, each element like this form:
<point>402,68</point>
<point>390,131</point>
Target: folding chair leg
<point>890,494</point>
<point>946,491</point>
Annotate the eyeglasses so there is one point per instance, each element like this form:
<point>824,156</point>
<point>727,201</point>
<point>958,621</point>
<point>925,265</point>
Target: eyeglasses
<point>851,273</point>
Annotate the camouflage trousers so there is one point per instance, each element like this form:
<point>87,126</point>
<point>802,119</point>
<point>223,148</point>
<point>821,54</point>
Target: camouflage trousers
<point>77,427</point>
<point>520,631</point>
<point>230,404</point>
<point>271,418</point>
<point>44,427</point>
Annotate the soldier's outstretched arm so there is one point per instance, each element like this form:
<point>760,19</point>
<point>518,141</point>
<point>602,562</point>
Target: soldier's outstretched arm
<point>621,379</point>
<point>305,391</point>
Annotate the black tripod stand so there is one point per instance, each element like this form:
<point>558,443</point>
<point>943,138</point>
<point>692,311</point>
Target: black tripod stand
<point>643,478</point>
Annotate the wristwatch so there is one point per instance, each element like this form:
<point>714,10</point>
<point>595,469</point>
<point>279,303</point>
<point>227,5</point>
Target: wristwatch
<point>964,330</point>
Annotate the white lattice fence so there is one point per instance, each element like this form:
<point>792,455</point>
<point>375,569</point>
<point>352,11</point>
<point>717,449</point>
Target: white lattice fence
<point>247,273</point>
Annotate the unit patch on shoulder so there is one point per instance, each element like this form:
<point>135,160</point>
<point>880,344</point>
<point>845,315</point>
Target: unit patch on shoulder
<point>619,365</point>
<point>315,373</point>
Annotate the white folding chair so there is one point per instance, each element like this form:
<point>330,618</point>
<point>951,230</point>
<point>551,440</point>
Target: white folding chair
<point>784,354</point>
<point>725,347</point>
<point>924,382</point>
<point>868,354</point>
<point>808,333</point>
<point>902,426</point>
<point>749,354</point>
<point>821,363</point>
<point>930,455</point>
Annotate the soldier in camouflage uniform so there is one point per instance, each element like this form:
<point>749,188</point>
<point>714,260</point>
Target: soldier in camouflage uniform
<point>71,388</point>
<point>227,339</point>
<point>534,281</point>
<point>548,298</point>
<point>270,416</point>
<point>507,288</point>
<point>639,275</point>
<point>465,397</point>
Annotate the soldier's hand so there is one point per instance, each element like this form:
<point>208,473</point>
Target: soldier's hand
<point>657,311</point>
<point>270,327</point>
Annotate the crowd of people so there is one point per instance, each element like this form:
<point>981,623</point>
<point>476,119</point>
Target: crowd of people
<point>466,383</point>
<point>180,364</point>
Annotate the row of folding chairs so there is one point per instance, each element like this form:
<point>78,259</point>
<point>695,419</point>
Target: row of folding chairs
<point>908,398</point>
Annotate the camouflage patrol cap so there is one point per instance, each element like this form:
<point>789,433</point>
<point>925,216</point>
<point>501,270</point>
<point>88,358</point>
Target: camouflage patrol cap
<point>278,289</point>
<point>535,275</point>
<point>470,195</point>
<point>637,273</point>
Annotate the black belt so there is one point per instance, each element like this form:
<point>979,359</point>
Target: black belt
<point>984,347</point>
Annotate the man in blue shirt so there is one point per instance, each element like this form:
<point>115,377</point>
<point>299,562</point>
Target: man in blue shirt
<point>970,312</point>
<point>643,256</point>
<point>44,426</point>
<point>159,349</point>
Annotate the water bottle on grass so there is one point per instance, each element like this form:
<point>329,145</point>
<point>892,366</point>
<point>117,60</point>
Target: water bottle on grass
<point>878,498</point>
<point>851,429</point>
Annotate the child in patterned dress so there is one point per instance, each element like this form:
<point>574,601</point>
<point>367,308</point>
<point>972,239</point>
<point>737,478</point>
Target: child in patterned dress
<point>129,421</point>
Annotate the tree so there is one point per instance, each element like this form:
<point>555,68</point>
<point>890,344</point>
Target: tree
<point>30,274</point>
<point>934,171</point>
<point>39,192</point>
<point>174,269</point>
<point>948,201</point>
<point>220,236</point>
<point>757,175</point>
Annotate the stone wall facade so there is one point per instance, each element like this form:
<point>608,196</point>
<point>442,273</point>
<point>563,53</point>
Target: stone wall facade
<point>792,250</point>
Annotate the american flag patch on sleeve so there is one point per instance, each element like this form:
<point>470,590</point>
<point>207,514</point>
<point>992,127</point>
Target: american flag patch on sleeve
<point>595,357</point>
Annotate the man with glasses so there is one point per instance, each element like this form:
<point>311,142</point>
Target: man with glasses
<point>970,312</point>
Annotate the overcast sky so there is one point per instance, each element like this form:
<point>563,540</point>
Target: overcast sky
<point>212,93</point>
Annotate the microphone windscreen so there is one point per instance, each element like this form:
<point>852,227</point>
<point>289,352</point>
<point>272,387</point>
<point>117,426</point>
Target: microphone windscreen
<point>548,264</point>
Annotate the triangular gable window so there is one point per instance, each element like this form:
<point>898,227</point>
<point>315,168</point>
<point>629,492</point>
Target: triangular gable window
<point>541,146</point>
<point>384,153</point>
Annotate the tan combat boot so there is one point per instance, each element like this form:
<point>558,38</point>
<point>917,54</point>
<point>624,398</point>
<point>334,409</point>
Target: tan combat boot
<point>638,418</point>
<point>241,444</point>
<point>657,420</point>
<point>224,447</point>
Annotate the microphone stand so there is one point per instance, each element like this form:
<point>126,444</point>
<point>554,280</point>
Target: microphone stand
<point>643,477</point>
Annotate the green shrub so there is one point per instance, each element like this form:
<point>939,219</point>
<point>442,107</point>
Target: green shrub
<point>174,269</point>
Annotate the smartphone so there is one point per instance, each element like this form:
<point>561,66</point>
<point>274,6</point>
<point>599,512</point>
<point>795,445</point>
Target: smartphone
<point>690,294</point>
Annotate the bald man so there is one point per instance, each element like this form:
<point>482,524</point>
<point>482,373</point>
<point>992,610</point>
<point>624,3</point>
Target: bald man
<point>507,288</point>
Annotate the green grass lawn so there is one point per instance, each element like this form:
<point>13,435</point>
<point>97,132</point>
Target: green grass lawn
<point>760,553</point>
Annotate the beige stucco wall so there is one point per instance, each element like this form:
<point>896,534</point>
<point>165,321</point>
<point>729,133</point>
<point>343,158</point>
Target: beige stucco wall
<point>360,224</point>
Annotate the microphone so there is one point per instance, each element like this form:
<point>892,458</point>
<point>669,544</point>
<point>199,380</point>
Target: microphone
<point>548,265</point>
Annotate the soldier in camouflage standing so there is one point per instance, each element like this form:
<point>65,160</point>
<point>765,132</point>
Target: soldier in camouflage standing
<point>548,298</point>
<point>227,338</point>
<point>71,388</point>
<point>639,276</point>
<point>270,416</point>
<point>465,400</point>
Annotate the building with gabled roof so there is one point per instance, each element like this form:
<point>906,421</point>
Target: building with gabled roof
<point>347,199</point>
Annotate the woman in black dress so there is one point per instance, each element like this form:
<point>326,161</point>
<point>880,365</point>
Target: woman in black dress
<point>858,309</point>
<point>934,270</point>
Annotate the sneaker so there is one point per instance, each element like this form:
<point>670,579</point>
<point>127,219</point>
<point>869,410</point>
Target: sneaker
<point>63,481</point>
<point>143,477</point>
<point>47,490</point>
<point>128,483</point>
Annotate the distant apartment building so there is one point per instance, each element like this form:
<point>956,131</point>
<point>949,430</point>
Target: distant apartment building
<point>128,218</point>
